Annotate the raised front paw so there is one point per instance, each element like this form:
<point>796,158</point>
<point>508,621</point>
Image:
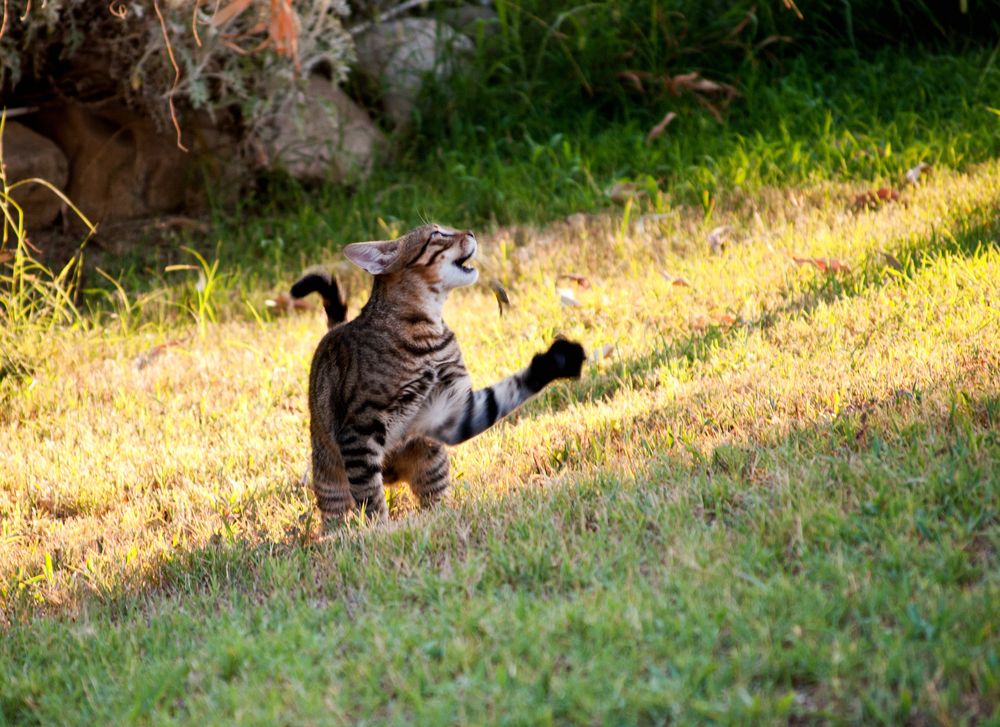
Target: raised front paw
<point>563,360</point>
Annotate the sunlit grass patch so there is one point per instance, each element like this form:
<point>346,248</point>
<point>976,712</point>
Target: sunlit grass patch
<point>774,492</point>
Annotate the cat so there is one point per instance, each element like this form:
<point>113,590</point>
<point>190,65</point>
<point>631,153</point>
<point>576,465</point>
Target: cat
<point>388,390</point>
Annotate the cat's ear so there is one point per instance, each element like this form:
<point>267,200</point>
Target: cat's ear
<point>375,257</point>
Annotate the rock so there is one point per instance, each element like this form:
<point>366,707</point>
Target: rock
<point>120,166</point>
<point>325,136</point>
<point>398,54</point>
<point>469,19</point>
<point>28,154</point>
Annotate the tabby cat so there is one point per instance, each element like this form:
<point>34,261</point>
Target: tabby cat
<point>388,390</point>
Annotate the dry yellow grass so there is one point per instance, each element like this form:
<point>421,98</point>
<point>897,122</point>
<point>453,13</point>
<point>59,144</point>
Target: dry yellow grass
<point>118,457</point>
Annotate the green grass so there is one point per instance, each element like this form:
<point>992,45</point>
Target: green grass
<point>792,516</point>
<point>776,498</point>
<point>838,119</point>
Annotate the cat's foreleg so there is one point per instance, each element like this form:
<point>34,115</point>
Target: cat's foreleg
<point>473,412</point>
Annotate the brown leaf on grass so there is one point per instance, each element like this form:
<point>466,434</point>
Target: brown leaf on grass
<point>747,19</point>
<point>660,127</point>
<point>633,78</point>
<point>5,255</point>
<point>892,260</point>
<point>913,175</point>
<point>694,82</point>
<point>285,303</point>
<point>501,294</point>
<point>874,199</point>
<point>699,323</point>
<point>826,264</point>
<point>146,358</point>
<point>772,39</point>
<point>679,282</point>
<point>716,114</point>
<point>576,278</point>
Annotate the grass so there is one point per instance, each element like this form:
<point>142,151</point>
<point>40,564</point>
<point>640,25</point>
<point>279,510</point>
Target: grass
<point>773,497</point>
<point>789,512</point>
<point>836,119</point>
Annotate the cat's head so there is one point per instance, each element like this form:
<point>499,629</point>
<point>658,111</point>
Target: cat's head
<point>438,254</point>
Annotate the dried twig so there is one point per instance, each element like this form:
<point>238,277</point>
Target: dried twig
<point>194,22</point>
<point>177,74</point>
<point>790,4</point>
<point>3,24</point>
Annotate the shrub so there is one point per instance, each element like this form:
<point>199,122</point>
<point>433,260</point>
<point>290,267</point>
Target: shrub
<point>244,57</point>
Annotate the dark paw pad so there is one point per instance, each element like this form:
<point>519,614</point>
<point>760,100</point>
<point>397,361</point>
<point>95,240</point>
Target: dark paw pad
<point>563,360</point>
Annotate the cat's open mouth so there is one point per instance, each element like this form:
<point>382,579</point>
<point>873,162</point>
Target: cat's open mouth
<point>461,263</point>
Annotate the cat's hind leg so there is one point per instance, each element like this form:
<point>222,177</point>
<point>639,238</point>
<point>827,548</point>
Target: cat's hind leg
<point>329,482</point>
<point>361,449</point>
<point>423,463</point>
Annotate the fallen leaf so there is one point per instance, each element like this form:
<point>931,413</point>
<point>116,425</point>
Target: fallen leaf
<point>892,260</point>
<point>633,78</point>
<point>682,80</point>
<point>578,279</point>
<point>826,264</point>
<point>716,114</point>
<point>566,297</point>
<point>913,175</point>
<point>699,323</point>
<point>501,294</point>
<point>660,127</point>
<point>716,238</point>
<point>873,199</point>
<point>283,302</point>
<point>680,282</point>
<point>771,39</point>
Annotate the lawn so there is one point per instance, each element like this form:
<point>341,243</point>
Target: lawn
<point>773,496</point>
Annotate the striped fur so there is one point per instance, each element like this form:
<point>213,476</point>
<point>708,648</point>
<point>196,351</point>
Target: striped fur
<point>389,389</point>
<point>320,281</point>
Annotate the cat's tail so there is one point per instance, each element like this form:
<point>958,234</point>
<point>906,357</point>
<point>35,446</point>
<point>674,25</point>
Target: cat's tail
<point>320,281</point>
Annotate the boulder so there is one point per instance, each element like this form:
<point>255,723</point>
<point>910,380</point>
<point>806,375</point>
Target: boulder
<point>324,135</point>
<point>398,54</point>
<point>120,166</point>
<point>470,20</point>
<point>28,154</point>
